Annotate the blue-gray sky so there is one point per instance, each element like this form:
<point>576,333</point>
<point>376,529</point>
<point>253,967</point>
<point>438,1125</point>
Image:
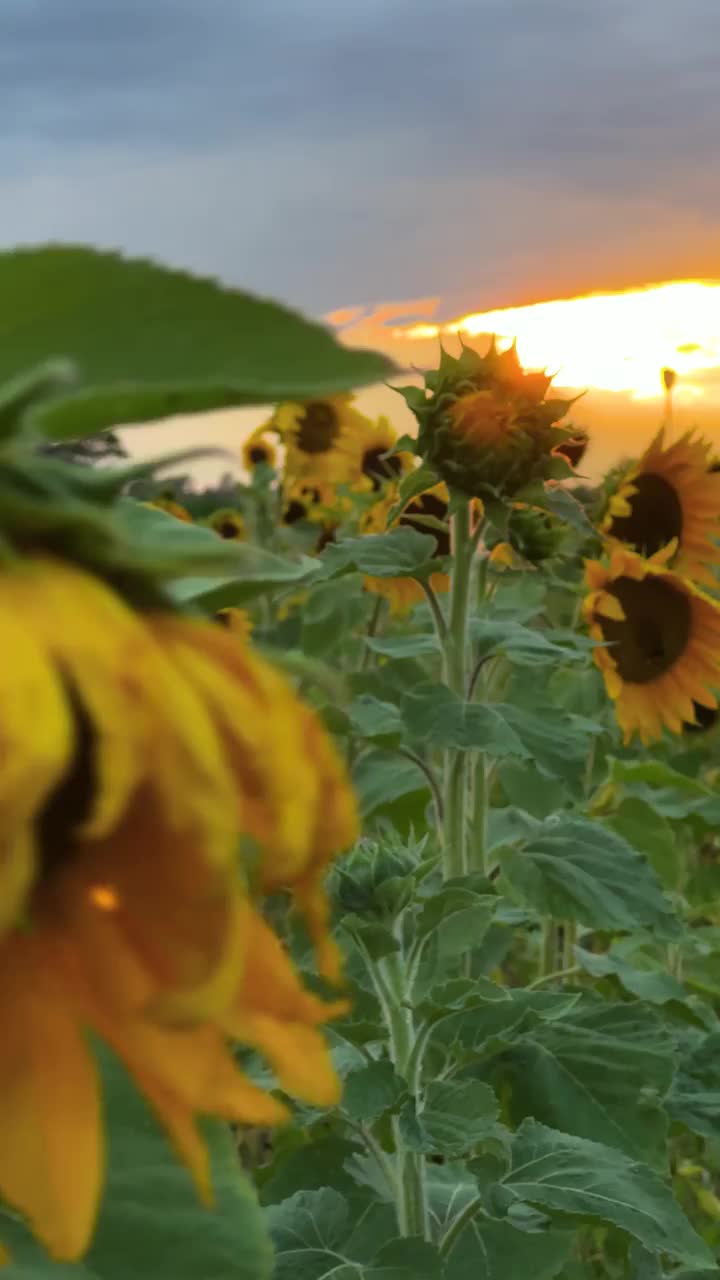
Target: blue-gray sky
<point>356,151</point>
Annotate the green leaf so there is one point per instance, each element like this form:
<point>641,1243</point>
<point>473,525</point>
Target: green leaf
<point>571,1177</point>
<point>161,544</point>
<point>148,341</point>
<point>412,484</point>
<point>652,984</point>
<point>454,1117</point>
<point>401,553</point>
<point>650,833</point>
<point>559,502</point>
<point>371,1091</point>
<point>457,915</point>
<point>410,646</point>
<point>668,792</point>
<point>316,1237</point>
<point>695,1096</point>
<point>578,870</point>
<point>436,716</point>
<point>151,1215</point>
<point>524,645</point>
<point>557,741</point>
<point>600,1073</point>
<point>370,718</point>
<point>488,1250</point>
<point>381,779</point>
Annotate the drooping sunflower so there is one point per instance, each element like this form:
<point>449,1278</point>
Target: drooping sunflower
<point>485,423</point>
<point>259,450</point>
<point>671,495</point>
<point>319,438</point>
<point>135,748</point>
<point>228,524</point>
<point>403,593</point>
<point>659,642</point>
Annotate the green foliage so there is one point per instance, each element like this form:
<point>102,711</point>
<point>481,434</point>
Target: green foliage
<point>147,342</point>
<point>152,1223</point>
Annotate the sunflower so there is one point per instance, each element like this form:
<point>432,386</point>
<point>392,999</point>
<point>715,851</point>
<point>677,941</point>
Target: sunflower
<point>671,496</point>
<point>374,463</point>
<point>320,438</point>
<point>659,642</point>
<point>135,748</point>
<point>259,450</point>
<point>403,593</point>
<point>237,621</point>
<point>228,524</point>
<point>484,422</point>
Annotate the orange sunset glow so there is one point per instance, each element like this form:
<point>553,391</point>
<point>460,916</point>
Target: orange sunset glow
<point>609,346</point>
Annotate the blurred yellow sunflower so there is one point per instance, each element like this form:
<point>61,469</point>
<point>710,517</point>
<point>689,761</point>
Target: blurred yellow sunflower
<point>403,593</point>
<point>319,437</point>
<point>659,642</point>
<point>671,496</point>
<point>228,524</point>
<point>135,749</point>
<point>258,450</point>
<point>374,464</point>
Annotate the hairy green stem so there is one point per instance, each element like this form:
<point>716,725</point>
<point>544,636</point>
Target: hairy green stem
<point>458,1224</point>
<point>455,861</point>
<point>389,979</point>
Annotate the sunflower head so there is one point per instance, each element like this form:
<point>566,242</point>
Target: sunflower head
<point>259,451</point>
<point>320,438</point>
<point>485,423</point>
<point>658,642</point>
<point>671,497</point>
<point>228,524</point>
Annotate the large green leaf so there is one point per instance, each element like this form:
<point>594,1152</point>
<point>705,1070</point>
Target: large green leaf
<point>601,1073</point>
<point>695,1095</point>
<point>152,1225</point>
<point>572,1177</point>
<point>316,1236</point>
<point>578,870</point>
<point>148,341</point>
<point>488,1250</point>
<point>455,1115</point>
<point>402,552</point>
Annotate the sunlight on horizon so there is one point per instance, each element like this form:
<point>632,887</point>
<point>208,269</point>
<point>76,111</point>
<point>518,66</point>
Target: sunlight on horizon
<point>609,341</point>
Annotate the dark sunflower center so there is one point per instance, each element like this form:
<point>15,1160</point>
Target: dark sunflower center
<point>656,516</point>
<point>293,512</point>
<point>228,529</point>
<point>71,803</point>
<point>318,427</point>
<point>656,630</point>
<point>258,454</point>
<point>428,504</point>
<point>377,467</point>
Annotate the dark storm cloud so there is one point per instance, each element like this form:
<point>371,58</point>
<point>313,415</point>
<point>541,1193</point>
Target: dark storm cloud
<point>342,150</point>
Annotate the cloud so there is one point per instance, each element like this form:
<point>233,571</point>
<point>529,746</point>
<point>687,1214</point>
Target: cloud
<point>341,153</point>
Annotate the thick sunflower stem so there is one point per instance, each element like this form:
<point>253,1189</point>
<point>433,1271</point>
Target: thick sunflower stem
<point>455,861</point>
<point>389,978</point>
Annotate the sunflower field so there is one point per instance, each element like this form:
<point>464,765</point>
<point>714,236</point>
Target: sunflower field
<point>360,837</point>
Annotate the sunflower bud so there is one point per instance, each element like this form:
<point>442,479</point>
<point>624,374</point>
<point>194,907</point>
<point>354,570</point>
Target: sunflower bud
<point>484,422</point>
<point>374,881</point>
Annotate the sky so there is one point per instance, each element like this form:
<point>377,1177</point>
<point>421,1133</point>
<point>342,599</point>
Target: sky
<point>340,153</point>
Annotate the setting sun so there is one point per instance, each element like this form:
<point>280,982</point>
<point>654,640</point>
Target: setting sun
<point>612,341</point>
